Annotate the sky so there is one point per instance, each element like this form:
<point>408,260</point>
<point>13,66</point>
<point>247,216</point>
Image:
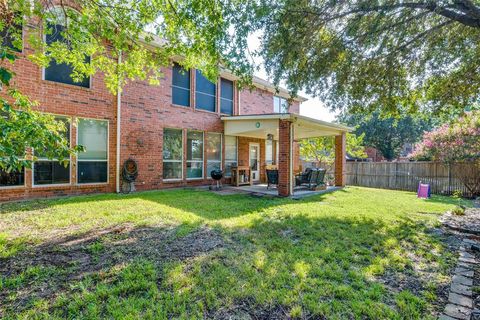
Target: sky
<point>313,108</point>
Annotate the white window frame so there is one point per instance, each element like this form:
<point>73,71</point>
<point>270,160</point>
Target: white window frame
<point>207,94</point>
<point>94,160</point>
<point>55,160</point>
<point>174,161</point>
<point>221,153</point>
<point>233,96</point>
<point>189,90</point>
<point>196,161</point>
<point>236,156</point>
<point>280,99</point>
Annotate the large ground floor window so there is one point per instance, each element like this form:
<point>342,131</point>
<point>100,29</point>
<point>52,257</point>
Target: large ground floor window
<point>92,166</point>
<point>172,154</point>
<point>214,152</point>
<point>50,171</point>
<point>13,178</point>
<point>194,154</point>
<point>230,154</point>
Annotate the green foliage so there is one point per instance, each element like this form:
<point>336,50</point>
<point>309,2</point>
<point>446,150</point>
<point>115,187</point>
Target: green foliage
<point>387,134</point>
<point>397,56</point>
<point>322,149</point>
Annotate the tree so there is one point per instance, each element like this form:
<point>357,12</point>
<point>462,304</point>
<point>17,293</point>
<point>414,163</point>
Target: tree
<point>455,142</point>
<point>110,37</point>
<point>367,55</point>
<point>387,134</point>
<point>322,149</point>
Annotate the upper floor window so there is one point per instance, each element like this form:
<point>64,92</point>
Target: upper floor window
<point>61,72</point>
<point>226,96</point>
<point>205,93</point>
<point>180,86</point>
<point>12,36</point>
<point>280,105</point>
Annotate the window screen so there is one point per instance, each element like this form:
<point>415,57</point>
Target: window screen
<point>180,86</point>
<point>61,72</point>
<point>226,97</point>
<point>93,163</point>
<point>172,154</point>
<point>194,154</point>
<point>214,152</point>
<point>230,154</point>
<point>205,93</point>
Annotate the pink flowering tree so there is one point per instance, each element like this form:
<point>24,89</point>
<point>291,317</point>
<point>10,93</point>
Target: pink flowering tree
<point>455,143</point>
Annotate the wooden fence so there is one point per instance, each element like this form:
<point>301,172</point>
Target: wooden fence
<point>443,179</point>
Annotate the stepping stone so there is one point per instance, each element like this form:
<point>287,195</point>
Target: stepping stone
<point>445,317</point>
<point>462,280</point>
<point>466,265</point>
<point>464,272</point>
<point>460,300</point>
<point>468,260</point>
<point>464,254</point>
<point>457,312</point>
<point>470,241</point>
<point>461,289</point>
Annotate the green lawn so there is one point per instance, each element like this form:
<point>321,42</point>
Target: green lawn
<point>355,253</point>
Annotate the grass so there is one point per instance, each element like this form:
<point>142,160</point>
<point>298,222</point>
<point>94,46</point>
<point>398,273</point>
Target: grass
<point>355,253</point>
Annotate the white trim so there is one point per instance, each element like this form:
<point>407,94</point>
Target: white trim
<point>290,183</point>
<point>93,160</point>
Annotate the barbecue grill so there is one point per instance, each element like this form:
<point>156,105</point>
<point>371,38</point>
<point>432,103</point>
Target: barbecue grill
<point>217,176</point>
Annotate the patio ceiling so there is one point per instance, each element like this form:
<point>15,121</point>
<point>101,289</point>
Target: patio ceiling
<point>260,125</point>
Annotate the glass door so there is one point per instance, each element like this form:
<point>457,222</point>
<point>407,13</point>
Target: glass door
<point>255,161</point>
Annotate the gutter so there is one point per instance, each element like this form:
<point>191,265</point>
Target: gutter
<point>119,116</point>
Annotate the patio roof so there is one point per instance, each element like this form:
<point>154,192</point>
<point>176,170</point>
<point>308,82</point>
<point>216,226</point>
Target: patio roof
<point>261,125</point>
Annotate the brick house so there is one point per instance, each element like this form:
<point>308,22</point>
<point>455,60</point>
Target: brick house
<point>177,131</point>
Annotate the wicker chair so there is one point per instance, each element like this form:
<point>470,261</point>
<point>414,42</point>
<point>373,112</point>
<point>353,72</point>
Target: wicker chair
<point>272,177</point>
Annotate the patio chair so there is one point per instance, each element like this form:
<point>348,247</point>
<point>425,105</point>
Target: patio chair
<point>303,177</point>
<point>315,179</point>
<point>272,177</point>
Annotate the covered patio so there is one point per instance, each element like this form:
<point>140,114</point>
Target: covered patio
<point>287,128</point>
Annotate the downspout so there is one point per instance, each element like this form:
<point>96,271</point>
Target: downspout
<point>291,160</point>
<point>119,116</point>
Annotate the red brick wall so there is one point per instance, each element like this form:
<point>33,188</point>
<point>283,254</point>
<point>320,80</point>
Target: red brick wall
<point>284,174</point>
<point>67,100</point>
<point>146,111</point>
<point>258,101</point>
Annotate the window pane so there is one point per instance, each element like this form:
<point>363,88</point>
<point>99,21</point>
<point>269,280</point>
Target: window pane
<point>181,96</point>
<point>180,86</point>
<point>92,134</point>
<point>66,122</point>
<point>204,85</point>
<point>50,172</point>
<point>172,144</point>
<point>230,148</point>
<point>214,146</point>
<point>276,104</point>
<point>180,77</point>
<point>60,72</point>
<point>195,145</point>
<point>226,106</point>
<point>284,106</point>
<point>204,102</point>
<point>12,37</point>
<point>228,168</point>
<point>194,169</point>
<point>205,93</point>
<point>172,170</point>
<point>269,151</point>
<point>213,166</point>
<point>92,171</point>
<point>12,178</point>
<point>226,89</point>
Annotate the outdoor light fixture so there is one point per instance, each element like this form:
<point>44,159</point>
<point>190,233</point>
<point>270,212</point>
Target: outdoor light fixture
<point>270,137</point>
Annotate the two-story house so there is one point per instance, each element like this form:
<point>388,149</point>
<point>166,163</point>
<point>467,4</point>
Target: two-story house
<point>177,131</point>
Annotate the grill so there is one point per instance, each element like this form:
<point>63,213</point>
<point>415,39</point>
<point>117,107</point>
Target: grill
<point>217,176</point>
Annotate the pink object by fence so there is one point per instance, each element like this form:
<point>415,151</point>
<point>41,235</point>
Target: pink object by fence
<point>423,190</point>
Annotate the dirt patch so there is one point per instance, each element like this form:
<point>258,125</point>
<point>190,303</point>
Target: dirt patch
<point>58,262</point>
